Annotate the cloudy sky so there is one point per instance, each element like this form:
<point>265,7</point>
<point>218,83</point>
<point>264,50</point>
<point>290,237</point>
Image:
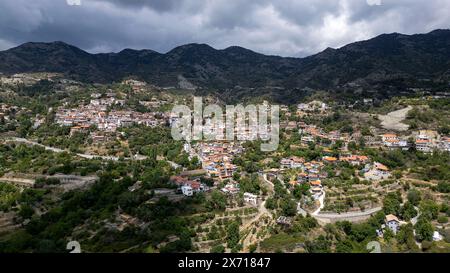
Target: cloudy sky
<point>279,27</point>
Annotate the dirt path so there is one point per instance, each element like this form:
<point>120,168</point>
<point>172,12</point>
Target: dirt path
<point>393,120</point>
<point>250,238</point>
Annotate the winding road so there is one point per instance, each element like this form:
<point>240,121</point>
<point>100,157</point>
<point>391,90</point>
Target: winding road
<point>333,217</point>
<point>58,150</point>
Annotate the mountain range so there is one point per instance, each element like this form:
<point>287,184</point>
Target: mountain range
<point>385,58</point>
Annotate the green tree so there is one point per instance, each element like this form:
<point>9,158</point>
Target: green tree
<point>405,236</point>
<point>443,186</point>
<point>217,249</point>
<point>408,211</point>
<point>392,203</point>
<point>232,235</point>
<point>414,197</point>
<point>424,229</point>
<point>218,200</point>
<point>289,207</point>
<point>271,203</point>
<point>26,211</point>
<point>429,209</point>
<point>320,245</point>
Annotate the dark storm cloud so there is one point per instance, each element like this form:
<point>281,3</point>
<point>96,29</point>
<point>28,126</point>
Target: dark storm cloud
<point>282,27</point>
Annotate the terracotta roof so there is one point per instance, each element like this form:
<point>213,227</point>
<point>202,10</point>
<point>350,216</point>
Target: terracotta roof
<point>392,140</point>
<point>381,167</point>
<point>391,217</point>
<point>330,158</point>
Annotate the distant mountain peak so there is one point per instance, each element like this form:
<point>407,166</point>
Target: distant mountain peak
<point>191,47</point>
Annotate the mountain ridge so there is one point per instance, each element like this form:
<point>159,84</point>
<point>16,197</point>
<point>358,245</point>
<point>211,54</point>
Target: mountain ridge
<point>382,58</point>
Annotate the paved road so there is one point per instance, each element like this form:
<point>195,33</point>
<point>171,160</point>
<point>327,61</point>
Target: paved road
<point>415,219</point>
<point>87,156</point>
<point>349,216</point>
<point>271,185</point>
<point>321,202</point>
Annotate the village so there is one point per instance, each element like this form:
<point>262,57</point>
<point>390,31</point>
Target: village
<point>318,172</point>
<point>96,114</point>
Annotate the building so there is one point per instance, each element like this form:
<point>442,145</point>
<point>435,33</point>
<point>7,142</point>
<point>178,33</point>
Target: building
<point>283,220</point>
<point>393,141</point>
<point>251,198</point>
<point>292,163</point>
<point>231,188</point>
<point>355,159</point>
<point>424,145</point>
<point>188,187</point>
<point>381,169</point>
<point>316,189</point>
<point>329,159</point>
<point>444,144</point>
<point>187,190</point>
<point>377,171</point>
<point>387,138</point>
<point>392,223</point>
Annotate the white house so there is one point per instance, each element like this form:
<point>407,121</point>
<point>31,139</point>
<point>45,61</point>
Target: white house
<point>424,145</point>
<point>187,190</point>
<point>231,188</point>
<point>251,198</point>
<point>392,223</point>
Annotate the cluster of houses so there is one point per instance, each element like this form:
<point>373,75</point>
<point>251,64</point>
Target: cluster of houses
<point>97,113</point>
<point>309,172</point>
<point>135,84</point>
<point>153,103</point>
<point>309,133</point>
<point>424,140</point>
<point>217,157</point>
<point>187,185</point>
<point>371,171</point>
<point>354,160</point>
<point>231,188</point>
<point>312,106</point>
<point>393,141</point>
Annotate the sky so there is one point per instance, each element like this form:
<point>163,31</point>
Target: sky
<point>294,28</point>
